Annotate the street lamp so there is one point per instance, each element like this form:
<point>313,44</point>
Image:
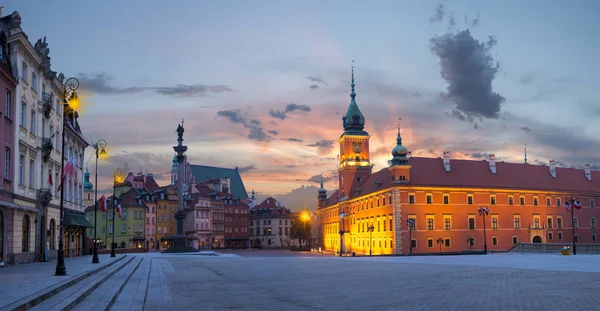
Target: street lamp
<point>470,242</point>
<point>370,230</point>
<point>574,203</point>
<point>484,211</point>
<point>305,218</point>
<point>410,223</point>
<point>440,241</point>
<point>341,232</point>
<point>72,103</point>
<point>99,149</point>
<point>117,173</point>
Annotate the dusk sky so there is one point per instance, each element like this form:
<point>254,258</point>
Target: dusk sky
<point>262,85</point>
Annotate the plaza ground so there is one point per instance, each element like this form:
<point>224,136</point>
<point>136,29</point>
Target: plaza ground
<point>284,280</point>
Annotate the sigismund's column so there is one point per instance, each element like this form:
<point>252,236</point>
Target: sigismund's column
<point>180,149</point>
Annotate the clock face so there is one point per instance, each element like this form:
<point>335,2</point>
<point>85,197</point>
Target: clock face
<point>356,147</point>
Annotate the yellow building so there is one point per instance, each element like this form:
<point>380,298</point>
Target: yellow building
<point>166,206</point>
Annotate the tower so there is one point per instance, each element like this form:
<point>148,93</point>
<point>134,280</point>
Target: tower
<point>322,197</point>
<point>88,189</point>
<point>355,162</point>
<point>253,200</point>
<point>399,168</point>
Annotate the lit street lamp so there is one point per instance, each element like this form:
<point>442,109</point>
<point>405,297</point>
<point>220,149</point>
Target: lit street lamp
<point>117,179</point>
<point>370,230</point>
<point>410,223</point>
<point>572,204</point>
<point>99,149</point>
<point>341,232</point>
<point>484,211</point>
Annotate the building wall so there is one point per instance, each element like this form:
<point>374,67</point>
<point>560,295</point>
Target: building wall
<point>165,213</point>
<point>272,231</point>
<point>236,224</point>
<point>151,223</point>
<point>217,217</point>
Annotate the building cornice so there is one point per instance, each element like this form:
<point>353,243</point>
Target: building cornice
<point>24,42</point>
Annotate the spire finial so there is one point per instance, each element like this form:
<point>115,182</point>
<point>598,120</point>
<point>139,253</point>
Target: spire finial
<point>399,119</point>
<point>525,153</point>
<point>352,93</point>
<point>321,179</point>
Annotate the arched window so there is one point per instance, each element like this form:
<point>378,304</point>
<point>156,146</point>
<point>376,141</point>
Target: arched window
<point>25,235</point>
<point>52,233</point>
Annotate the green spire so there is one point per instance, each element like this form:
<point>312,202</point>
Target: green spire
<point>354,121</point>
<point>87,185</point>
<point>399,152</point>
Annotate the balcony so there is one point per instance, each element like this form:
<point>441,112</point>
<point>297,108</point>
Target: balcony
<point>45,196</point>
<point>47,100</point>
<point>46,148</point>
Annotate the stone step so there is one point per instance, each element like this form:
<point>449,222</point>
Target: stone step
<point>133,295</point>
<point>49,292</point>
<point>67,299</point>
<point>103,297</point>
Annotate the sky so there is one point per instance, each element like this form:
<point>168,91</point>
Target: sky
<point>262,85</point>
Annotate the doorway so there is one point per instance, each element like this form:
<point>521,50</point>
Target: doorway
<point>537,239</point>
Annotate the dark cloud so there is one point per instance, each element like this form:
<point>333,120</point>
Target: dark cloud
<point>315,79</point>
<point>314,87</point>
<point>257,132</point>
<point>296,140</point>
<point>527,79</point>
<point>525,129</point>
<point>283,114</point>
<point>323,144</point>
<point>469,69</point>
<point>472,22</point>
<point>273,132</point>
<point>438,15</point>
<point>246,169</point>
<point>417,94</point>
<point>99,83</point>
<point>317,179</point>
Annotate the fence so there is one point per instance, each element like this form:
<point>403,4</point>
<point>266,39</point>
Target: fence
<point>582,248</point>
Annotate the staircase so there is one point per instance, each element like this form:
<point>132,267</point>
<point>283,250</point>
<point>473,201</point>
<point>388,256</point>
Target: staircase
<point>98,289</point>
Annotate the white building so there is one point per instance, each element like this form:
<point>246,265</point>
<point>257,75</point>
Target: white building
<point>39,115</point>
<point>270,225</point>
<point>197,222</point>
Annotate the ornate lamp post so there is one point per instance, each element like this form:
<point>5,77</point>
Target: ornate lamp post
<point>572,204</point>
<point>341,233</point>
<point>118,173</point>
<point>99,149</point>
<point>72,103</point>
<point>484,211</point>
<point>410,223</point>
<point>370,230</point>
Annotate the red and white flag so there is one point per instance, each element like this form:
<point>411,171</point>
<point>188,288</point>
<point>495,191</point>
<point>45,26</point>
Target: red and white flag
<point>119,211</point>
<point>567,205</point>
<point>50,180</point>
<point>576,204</point>
<point>102,202</point>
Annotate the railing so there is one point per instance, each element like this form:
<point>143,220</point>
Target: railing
<point>47,104</point>
<point>45,196</point>
<point>47,147</point>
<point>583,248</point>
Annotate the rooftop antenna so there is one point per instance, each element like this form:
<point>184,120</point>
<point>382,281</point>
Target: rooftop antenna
<point>525,153</point>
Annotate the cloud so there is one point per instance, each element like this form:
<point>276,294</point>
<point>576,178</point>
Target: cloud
<point>315,79</point>
<point>469,69</point>
<point>525,129</point>
<point>438,15</point>
<point>314,87</point>
<point>317,179</point>
<point>256,131</point>
<point>527,79</point>
<point>99,83</point>
<point>246,169</point>
<point>296,140</point>
<point>324,146</point>
<point>273,132</point>
<point>283,114</point>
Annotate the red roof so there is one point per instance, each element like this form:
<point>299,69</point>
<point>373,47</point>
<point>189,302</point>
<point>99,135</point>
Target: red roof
<point>430,172</point>
<point>151,184</point>
<point>271,206</point>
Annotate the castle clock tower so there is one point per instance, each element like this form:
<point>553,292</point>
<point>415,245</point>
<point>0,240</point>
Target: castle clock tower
<point>355,162</point>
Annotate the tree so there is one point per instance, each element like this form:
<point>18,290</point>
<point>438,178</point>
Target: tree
<point>300,230</point>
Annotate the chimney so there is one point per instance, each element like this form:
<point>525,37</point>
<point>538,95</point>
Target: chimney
<point>492,159</point>
<point>588,172</point>
<point>447,161</point>
<point>553,168</point>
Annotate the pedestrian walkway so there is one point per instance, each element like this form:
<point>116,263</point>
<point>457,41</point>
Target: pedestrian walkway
<point>18,282</point>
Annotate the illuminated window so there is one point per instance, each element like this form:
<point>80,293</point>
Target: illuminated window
<point>429,222</point>
<point>494,222</point>
<point>447,223</point>
<point>517,222</point>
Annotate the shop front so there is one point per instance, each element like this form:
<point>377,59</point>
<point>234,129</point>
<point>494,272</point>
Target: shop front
<point>76,225</point>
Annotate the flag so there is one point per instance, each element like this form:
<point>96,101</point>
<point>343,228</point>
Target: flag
<point>567,205</point>
<point>483,210</point>
<point>576,204</point>
<point>102,203</point>
<point>119,211</point>
<point>50,180</point>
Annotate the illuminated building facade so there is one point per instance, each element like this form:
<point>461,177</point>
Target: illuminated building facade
<point>370,212</point>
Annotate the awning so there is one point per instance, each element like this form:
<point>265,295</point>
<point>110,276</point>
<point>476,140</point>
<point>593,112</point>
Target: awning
<point>17,206</point>
<point>71,219</point>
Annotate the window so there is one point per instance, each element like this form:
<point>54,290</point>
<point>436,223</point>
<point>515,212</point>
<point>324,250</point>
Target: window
<point>429,199</point>
<point>471,241</point>
<point>8,104</point>
<point>25,234</point>
<point>414,226</point>
<point>24,71</point>
<point>593,238</point>
<point>515,240</point>
<point>511,200</point>
<point>471,222</point>
<point>592,203</point>
<point>536,222</point>
<point>517,222</point>
<point>535,201</point>
<point>559,222</point>
<point>494,240</point>
<point>447,223</point>
<point>447,242</point>
<point>31,176</point>
<point>7,163</point>
<point>32,125</point>
<point>23,113</point>
<point>593,222</point>
<point>549,236</point>
<point>469,199</point>
<point>575,222</point>
<point>494,222</point>
<point>411,199</point>
<point>522,200</point>
<point>34,81</point>
<point>557,201</point>
<point>429,222</point>
<point>549,222</point>
<point>22,170</point>
<point>123,229</point>
<point>429,242</point>
<point>446,199</point>
<point>547,201</point>
<point>413,243</point>
<point>390,219</point>
<point>560,235</point>
<point>493,200</point>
